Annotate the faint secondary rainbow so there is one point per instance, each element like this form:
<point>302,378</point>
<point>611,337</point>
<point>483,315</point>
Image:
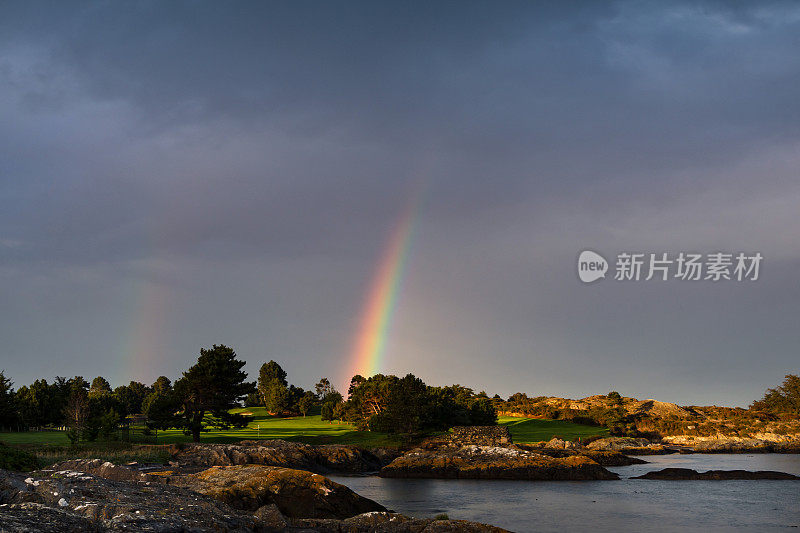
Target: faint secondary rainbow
<point>143,353</point>
<point>373,328</point>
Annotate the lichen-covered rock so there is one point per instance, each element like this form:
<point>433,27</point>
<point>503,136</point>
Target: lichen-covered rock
<point>67,500</point>
<point>481,435</point>
<point>561,444</point>
<point>489,462</point>
<point>386,455</point>
<point>296,493</point>
<point>322,459</point>
<point>270,518</point>
<point>603,458</point>
<point>121,505</point>
<point>628,445</point>
<point>764,443</point>
<point>38,518</point>
<point>103,469</point>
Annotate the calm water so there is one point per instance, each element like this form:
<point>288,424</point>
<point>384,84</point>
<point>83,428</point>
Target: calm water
<point>625,505</point>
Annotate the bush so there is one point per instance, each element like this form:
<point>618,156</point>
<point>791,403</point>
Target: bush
<point>16,459</point>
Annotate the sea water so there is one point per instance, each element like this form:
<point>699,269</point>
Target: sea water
<point>624,505</point>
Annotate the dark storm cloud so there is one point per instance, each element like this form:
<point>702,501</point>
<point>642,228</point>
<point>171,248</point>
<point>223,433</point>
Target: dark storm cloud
<point>253,156</point>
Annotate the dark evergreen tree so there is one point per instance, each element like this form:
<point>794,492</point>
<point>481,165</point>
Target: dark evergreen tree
<point>214,385</point>
<point>9,414</point>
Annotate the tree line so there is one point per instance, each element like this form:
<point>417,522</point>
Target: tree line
<point>204,396</point>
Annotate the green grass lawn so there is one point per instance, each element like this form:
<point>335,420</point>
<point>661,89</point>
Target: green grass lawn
<point>313,430</point>
<point>58,438</point>
<point>535,429</point>
<point>310,429</point>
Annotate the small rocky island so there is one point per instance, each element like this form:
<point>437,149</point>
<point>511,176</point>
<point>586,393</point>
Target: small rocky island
<point>487,452</point>
<point>687,474</point>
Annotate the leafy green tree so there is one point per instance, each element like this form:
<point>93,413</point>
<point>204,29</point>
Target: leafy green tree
<point>162,385</point>
<point>407,410</point>
<point>306,402</point>
<point>271,382</point>
<point>330,402</point>
<point>323,387</point>
<point>77,383</point>
<point>42,404</point>
<point>518,397</point>
<point>276,396</point>
<point>161,405</point>
<point>131,397</point>
<point>99,386</point>
<point>369,398</point>
<point>450,406</point>
<point>214,385</point>
<point>355,381</point>
<point>161,410</point>
<point>253,400</point>
<point>482,412</point>
<point>76,411</point>
<point>783,399</point>
<point>407,406</point>
<point>60,391</point>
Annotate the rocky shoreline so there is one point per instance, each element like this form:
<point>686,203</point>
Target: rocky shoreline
<point>275,485</point>
<point>767,444</point>
<point>96,496</point>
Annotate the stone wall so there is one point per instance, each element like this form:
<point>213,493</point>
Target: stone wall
<point>481,435</point>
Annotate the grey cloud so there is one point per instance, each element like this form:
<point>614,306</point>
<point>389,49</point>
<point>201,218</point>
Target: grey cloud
<point>253,158</point>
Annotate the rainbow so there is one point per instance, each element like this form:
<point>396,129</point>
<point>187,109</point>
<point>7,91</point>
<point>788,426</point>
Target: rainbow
<point>370,340</point>
<point>144,349</point>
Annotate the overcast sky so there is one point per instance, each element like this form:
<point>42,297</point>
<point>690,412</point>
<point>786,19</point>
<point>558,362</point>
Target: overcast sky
<point>174,175</point>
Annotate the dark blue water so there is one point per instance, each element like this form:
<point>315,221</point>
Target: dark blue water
<point>625,505</point>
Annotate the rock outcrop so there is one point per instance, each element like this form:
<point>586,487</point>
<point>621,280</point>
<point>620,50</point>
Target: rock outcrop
<point>66,500</point>
<point>39,518</point>
<point>324,459</point>
<point>559,449</point>
<point>629,445</point>
<point>714,475</point>
<point>116,505</point>
<point>765,443</point>
<point>492,462</point>
<point>480,435</point>
<point>391,522</point>
<point>296,493</point>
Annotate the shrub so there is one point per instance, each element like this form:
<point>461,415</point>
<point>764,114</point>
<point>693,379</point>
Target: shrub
<point>16,459</point>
